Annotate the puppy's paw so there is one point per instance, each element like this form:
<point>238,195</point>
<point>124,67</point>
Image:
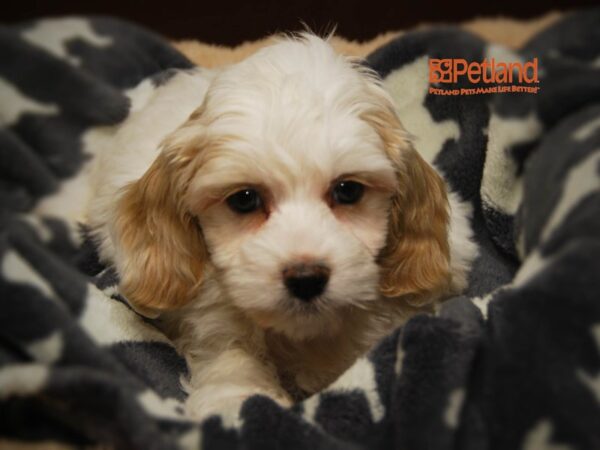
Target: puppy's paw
<point>226,401</point>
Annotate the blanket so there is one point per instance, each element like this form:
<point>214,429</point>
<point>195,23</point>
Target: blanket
<point>512,363</point>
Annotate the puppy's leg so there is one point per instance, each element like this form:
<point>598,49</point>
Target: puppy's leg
<point>221,384</point>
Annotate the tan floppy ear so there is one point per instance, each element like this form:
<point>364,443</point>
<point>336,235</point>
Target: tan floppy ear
<point>160,250</point>
<point>415,260</point>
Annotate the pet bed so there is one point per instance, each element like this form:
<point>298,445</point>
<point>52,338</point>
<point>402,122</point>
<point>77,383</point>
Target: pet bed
<point>513,363</point>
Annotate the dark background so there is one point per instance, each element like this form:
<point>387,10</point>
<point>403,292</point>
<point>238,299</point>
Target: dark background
<point>231,22</point>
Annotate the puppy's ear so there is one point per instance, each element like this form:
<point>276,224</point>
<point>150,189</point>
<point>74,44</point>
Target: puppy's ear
<point>160,251</point>
<point>415,260</point>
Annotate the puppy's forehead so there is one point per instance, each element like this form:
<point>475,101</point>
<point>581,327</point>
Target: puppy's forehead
<point>296,118</point>
<point>296,145</point>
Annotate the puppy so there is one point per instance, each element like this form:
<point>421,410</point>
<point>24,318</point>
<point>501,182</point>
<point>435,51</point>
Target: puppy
<point>277,219</point>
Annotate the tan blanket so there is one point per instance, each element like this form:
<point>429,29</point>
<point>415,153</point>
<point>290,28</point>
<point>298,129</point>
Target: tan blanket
<point>509,32</point>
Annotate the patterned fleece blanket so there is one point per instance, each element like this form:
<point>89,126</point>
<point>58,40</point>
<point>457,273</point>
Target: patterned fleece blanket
<point>513,363</point>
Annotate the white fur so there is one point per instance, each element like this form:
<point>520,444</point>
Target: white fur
<point>130,151</point>
<point>295,112</point>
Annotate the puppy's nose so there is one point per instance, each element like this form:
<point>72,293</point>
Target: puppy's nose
<point>306,281</point>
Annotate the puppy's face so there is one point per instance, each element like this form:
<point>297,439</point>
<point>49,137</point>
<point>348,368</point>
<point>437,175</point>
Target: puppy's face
<point>289,179</point>
<point>294,209</point>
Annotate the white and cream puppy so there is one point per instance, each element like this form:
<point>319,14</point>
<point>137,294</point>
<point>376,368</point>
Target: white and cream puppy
<point>276,217</point>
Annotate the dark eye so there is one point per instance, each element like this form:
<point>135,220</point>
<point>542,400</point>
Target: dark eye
<point>347,192</point>
<point>244,201</point>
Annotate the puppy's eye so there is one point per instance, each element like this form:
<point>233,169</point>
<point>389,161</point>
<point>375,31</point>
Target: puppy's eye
<point>244,201</point>
<point>347,192</point>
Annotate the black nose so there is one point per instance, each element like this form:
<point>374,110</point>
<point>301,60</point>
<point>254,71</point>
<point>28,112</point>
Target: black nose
<point>306,281</point>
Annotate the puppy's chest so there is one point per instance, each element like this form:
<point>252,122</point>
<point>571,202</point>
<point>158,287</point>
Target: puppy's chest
<point>309,366</point>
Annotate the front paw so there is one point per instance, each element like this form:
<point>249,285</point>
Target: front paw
<point>226,401</point>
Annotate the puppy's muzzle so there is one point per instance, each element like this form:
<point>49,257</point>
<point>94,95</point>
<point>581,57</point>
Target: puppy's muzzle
<point>306,281</point>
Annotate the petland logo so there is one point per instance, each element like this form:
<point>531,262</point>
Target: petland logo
<point>503,76</point>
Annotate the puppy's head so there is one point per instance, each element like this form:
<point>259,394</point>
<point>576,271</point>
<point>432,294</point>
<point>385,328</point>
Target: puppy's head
<point>295,181</point>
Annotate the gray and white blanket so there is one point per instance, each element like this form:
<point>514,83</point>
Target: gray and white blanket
<point>514,363</point>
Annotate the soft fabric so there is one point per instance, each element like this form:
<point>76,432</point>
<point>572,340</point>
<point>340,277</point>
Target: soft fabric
<point>513,363</point>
